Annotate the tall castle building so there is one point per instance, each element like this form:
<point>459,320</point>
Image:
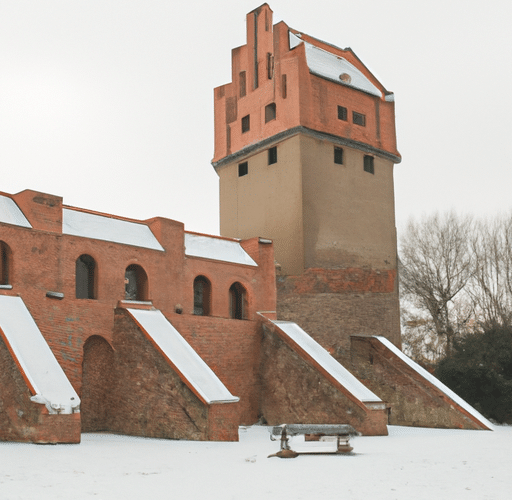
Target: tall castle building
<point>140,327</point>
<point>305,146</point>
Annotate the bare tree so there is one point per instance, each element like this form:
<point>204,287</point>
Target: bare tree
<point>436,264</point>
<point>491,284</point>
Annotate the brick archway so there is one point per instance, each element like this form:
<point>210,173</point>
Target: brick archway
<point>97,384</point>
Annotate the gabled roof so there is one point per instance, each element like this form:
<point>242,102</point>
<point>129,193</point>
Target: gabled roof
<point>331,66</point>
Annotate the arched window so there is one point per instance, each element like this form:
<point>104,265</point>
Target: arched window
<point>237,301</point>
<point>135,283</point>
<point>85,268</point>
<point>5,263</point>
<point>202,294</point>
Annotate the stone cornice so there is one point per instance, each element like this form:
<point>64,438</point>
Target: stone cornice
<point>341,141</point>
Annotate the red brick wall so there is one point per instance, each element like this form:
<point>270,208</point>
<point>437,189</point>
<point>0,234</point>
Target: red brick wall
<point>294,392</point>
<point>414,401</point>
<point>332,305</point>
<point>231,348</point>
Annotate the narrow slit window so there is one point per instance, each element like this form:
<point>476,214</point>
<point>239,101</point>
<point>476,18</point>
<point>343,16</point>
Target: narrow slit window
<point>242,82</point>
<point>5,258</point>
<point>243,169</point>
<point>246,123</point>
<point>359,119</point>
<point>270,112</point>
<point>270,65</point>
<point>284,90</point>
<point>338,156</point>
<point>272,155</point>
<point>368,164</point>
<point>342,113</point>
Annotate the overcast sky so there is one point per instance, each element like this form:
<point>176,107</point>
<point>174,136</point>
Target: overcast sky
<point>109,103</point>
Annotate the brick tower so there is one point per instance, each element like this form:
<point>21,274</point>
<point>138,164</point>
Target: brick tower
<point>304,148</point>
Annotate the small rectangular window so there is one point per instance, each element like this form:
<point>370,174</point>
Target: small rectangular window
<point>284,90</point>
<point>246,123</point>
<point>270,112</point>
<point>342,113</point>
<point>243,169</point>
<point>359,119</point>
<point>368,164</point>
<point>242,82</point>
<point>272,155</point>
<point>338,156</point>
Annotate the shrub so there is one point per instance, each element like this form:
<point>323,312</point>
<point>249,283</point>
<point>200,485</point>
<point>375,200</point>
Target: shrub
<point>480,371</point>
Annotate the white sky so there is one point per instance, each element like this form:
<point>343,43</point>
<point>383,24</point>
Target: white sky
<point>109,103</point>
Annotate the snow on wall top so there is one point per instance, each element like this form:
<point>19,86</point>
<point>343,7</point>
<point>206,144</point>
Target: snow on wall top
<point>198,245</point>
<point>331,66</point>
<point>435,382</point>
<point>10,213</point>
<point>327,362</point>
<point>34,356</point>
<point>104,228</point>
<point>178,351</point>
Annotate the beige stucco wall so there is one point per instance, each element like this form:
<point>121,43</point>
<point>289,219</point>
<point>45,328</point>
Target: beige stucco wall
<point>349,218</point>
<point>266,202</point>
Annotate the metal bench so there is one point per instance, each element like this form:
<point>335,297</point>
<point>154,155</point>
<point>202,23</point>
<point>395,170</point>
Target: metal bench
<point>312,432</point>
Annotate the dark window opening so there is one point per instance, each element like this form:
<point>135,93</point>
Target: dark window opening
<point>272,155</point>
<point>284,90</point>
<point>342,113</point>
<point>338,156</point>
<point>270,112</point>
<point>135,283</point>
<point>242,82</point>
<point>359,119</point>
<point>246,123</point>
<point>85,271</point>
<point>5,257</point>
<point>243,169</point>
<point>202,293</point>
<point>368,164</point>
<point>237,301</point>
<point>270,65</point>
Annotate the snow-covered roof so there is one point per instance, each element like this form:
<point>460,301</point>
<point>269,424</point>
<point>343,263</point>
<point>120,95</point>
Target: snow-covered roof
<point>100,227</point>
<point>435,382</point>
<point>209,247</point>
<point>35,358</point>
<point>331,66</point>
<point>10,213</point>
<point>195,372</point>
<point>327,362</point>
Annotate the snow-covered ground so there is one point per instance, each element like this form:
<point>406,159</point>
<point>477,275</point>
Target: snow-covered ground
<point>410,463</point>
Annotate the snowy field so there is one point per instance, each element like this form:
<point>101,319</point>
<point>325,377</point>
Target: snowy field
<point>410,463</point>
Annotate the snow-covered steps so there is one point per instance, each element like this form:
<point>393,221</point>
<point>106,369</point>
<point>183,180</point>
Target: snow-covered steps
<point>308,385</point>
<point>31,375</point>
<point>416,397</point>
<point>194,372</point>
